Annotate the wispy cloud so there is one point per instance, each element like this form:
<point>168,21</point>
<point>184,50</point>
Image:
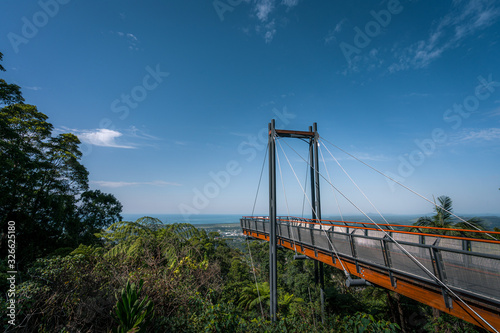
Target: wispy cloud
<point>131,39</point>
<point>290,3</point>
<point>267,13</point>
<point>33,88</point>
<point>416,94</point>
<point>270,31</point>
<point>130,138</point>
<point>488,134</point>
<point>263,8</point>
<point>101,137</point>
<point>332,34</point>
<point>465,19</point>
<point>369,61</point>
<point>134,132</point>
<point>494,113</point>
<point>114,184</point>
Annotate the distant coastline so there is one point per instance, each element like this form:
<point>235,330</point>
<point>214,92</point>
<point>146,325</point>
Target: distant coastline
<point>192,219</point>
<point>214,219</point>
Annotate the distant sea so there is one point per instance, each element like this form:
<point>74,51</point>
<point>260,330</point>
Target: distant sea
<point>193,219</point>
<point>490,221</point>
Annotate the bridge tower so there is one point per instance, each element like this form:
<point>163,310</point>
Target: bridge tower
<point>313,137</point>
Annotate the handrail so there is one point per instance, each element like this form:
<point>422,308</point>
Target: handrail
<point>445,270</point>
<point>311,221</point>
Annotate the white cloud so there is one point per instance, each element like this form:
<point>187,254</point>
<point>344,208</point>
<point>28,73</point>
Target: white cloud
<point>494,113</point>
<point>263,8</point>
<point>267,13</point>
<point>101,137</point>
<point>290,3</point>
<point>270,32</point>
<point>465,18</point>
<point>34,88</point>
<point>489,134</point>
<point>114,184</point>
<point>140,134</point>
<point>331,36</point>
<point>131,39</point>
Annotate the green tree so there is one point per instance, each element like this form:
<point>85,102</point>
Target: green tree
<point>443,218</point>
<point>39,179</point>
<point>43,184</point>
<point>9,93</point>
<point>96,211</point>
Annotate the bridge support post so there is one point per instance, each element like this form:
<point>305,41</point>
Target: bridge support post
<point>273,279</point>
<point>316,212</point>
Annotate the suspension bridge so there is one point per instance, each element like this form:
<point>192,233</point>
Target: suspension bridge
<point>456,271</point>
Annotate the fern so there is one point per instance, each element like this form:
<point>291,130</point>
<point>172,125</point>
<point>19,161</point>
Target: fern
<point>131,314</point>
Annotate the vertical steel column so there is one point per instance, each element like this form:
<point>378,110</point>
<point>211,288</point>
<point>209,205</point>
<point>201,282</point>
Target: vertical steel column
<point>313,201</point>
<point>273,281</point>
<point>313,188</point>
<point>318,215</point>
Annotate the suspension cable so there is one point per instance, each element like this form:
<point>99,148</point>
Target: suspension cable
<point>248,244</point>
<point>330,180</point>
<point>360,190</point>
<point>415,260</point>
<point>304,197</point>
<point>286,200</point>
<point>406,187</point>
<point>346,272</point>
<point>260,179</point>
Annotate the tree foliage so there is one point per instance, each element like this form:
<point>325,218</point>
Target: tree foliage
<point>9,93</point>
<point>43,184</point>
<point>443,218</point>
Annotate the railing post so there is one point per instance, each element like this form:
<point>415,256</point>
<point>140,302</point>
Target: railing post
<point>353,249</point>
<point>440,272</point>
<point>387,259</point>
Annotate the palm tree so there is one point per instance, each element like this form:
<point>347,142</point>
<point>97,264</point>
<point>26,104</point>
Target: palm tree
<point>444,218</point>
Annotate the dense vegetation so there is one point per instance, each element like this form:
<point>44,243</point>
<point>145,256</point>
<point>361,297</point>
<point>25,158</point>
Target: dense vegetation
<point>82,269</point>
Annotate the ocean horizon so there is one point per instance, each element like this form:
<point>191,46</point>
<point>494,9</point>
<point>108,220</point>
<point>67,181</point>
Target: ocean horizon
<point>200,219</point>
<point>192,219</point>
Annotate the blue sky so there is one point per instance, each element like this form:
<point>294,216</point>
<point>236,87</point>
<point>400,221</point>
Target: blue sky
<point>171,99</point>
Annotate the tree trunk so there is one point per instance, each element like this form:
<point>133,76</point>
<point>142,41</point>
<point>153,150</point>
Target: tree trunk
<point>397,310</point>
